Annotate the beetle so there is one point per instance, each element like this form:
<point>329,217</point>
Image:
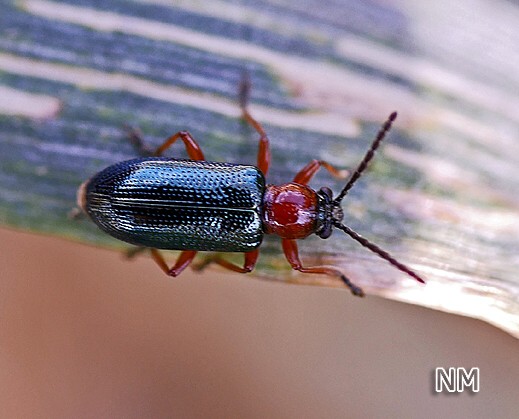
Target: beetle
<point>196,205</point>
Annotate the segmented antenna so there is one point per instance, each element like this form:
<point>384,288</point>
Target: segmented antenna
<point>374,248</point>
<point>367,158</point>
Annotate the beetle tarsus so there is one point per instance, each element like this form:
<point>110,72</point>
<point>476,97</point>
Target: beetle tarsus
<point>75,214</point>
<point>244,90</point>
<point>200,266</point>
<point>355,290</point>
<point>135,137</point>
<point>134,251</point>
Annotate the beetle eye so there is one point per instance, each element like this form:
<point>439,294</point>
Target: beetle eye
<point>326,231</point>
<point>327,191</point>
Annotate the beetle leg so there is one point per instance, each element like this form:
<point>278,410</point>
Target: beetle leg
<point>248,265</point>
<point>264,148</point>
<point>292,255</point>
<point>135,137</point>
<point>193,149</point>
<point>307,173</point>
<point>134,251</point>
<point>75,214</point>
<point>183,261</point>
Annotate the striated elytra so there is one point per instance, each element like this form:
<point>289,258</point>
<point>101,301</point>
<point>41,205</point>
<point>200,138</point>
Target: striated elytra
<point>179,204</point>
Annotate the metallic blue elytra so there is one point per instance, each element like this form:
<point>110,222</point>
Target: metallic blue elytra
<point>174,204</point>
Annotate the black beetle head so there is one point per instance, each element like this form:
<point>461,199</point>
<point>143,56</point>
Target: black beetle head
<point>329,211</point>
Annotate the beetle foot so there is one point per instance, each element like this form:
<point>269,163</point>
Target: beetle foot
<point>355,290</point>
<point>75,214</point>
<point>134,251</point>
<point>199,267</point>
<point>136,139</point>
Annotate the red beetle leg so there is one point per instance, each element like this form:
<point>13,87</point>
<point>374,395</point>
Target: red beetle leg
<point>193,149</point>
<point>292,255</point>
<point>183,261</point>
<point>264,155</point>
<point>264,149</point>
<point>248,265</point>
<point>307,173</point>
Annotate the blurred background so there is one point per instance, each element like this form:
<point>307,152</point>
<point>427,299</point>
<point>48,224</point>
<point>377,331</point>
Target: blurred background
<point>84,333</point>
